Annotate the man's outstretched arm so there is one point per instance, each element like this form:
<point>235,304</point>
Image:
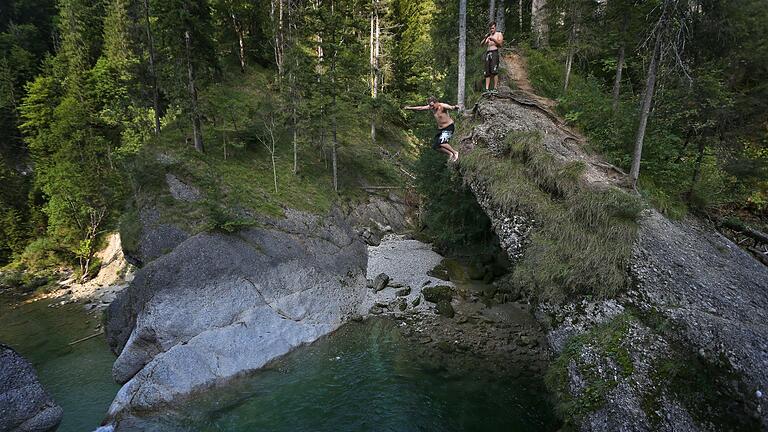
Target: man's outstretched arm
<point>450,107</point>
<point>417,108</point>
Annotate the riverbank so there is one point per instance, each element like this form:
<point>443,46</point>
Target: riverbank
<point>507,334</point>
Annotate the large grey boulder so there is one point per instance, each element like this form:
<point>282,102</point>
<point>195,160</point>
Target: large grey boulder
<point>25,406</point>
<point>713,293</point>
<point>220,305</point>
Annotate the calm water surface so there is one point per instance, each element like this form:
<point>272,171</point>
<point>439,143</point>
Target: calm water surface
<point>364,377</point>
<point>79,376</point>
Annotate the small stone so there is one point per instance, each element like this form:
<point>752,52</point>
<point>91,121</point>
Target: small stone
<point>380,282</point>
<point>356,318</point>
<point>462,319</point>
<point>416,301</point>
<point>404,291</point>
<point>376,310</point>
<point>395,284</point>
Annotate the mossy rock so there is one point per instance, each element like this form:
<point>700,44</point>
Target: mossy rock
<point>436,294</point>
<point>445,309</point>
<point>440,272</point>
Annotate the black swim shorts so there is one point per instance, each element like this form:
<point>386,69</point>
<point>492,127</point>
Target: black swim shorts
<point>491,63</point>
<point>443,136</point>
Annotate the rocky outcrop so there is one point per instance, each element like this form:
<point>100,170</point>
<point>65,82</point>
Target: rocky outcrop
<point>155,238</point>
<point>714,295</point>
<point>379,216</point>
<point>220,305</point>
<point>25,406</point>
<point>696,299</point>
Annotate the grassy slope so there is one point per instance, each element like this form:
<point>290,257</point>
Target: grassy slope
<point>583,239</point>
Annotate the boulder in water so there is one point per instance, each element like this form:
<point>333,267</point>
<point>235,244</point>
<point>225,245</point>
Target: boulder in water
<point>220,305</point>
<point>25,406</point>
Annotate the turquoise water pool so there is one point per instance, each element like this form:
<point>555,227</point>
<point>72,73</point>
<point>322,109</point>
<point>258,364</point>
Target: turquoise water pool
<point>78,376</point>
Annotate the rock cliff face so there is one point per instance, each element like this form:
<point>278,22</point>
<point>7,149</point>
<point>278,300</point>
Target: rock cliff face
<point>25,406</point>
<point>220,305</point>
<point>696,311</point>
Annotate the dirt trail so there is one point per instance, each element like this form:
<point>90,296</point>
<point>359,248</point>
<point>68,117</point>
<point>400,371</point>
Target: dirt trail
<point>560,138</point>
<point>517,74</point>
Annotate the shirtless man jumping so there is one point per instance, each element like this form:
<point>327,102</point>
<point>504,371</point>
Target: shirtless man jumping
<point>494,40</point>
<point>444,124</point>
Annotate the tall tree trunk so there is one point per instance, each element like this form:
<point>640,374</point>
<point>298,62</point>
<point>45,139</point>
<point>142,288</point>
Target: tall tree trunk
<point>572,40</point>
<point>462,51</point>
<point>196,127</point>
<point>152,71</point>
<point>276,15</point>
<point>500,13</point>
<point>491,10</point>
<point>295,142</point>
<point>520,15</point>
<point>240,40</point>
<point>539,24</point>
<point>697,168</point>
<point>619,65</point>
<point>650,84</point>
<point>274,168</point>
<point>617,79</point>
<point>375,70</point>
<point>334,143</point>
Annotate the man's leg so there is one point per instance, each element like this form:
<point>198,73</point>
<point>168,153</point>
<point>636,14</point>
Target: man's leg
<point>446,148</point>
<point>487,83</point>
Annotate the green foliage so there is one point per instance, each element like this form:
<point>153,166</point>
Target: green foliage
<point>129,228</point>
<point>236,184</point>
<point>582,241</point>
<point>704,147</point>
<point>451,215</point>
<point>44,253</point>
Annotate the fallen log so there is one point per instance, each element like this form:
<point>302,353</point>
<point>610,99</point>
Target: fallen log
<point>747,231</point>
<point>86,338</point>
<point>760,255</point>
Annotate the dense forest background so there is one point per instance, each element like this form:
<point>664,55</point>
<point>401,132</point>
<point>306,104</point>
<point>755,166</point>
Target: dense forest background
<point>298,98</point>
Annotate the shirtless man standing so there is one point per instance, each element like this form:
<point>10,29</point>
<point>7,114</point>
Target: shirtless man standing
<point>444,124</point>
<point>494,40</point>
